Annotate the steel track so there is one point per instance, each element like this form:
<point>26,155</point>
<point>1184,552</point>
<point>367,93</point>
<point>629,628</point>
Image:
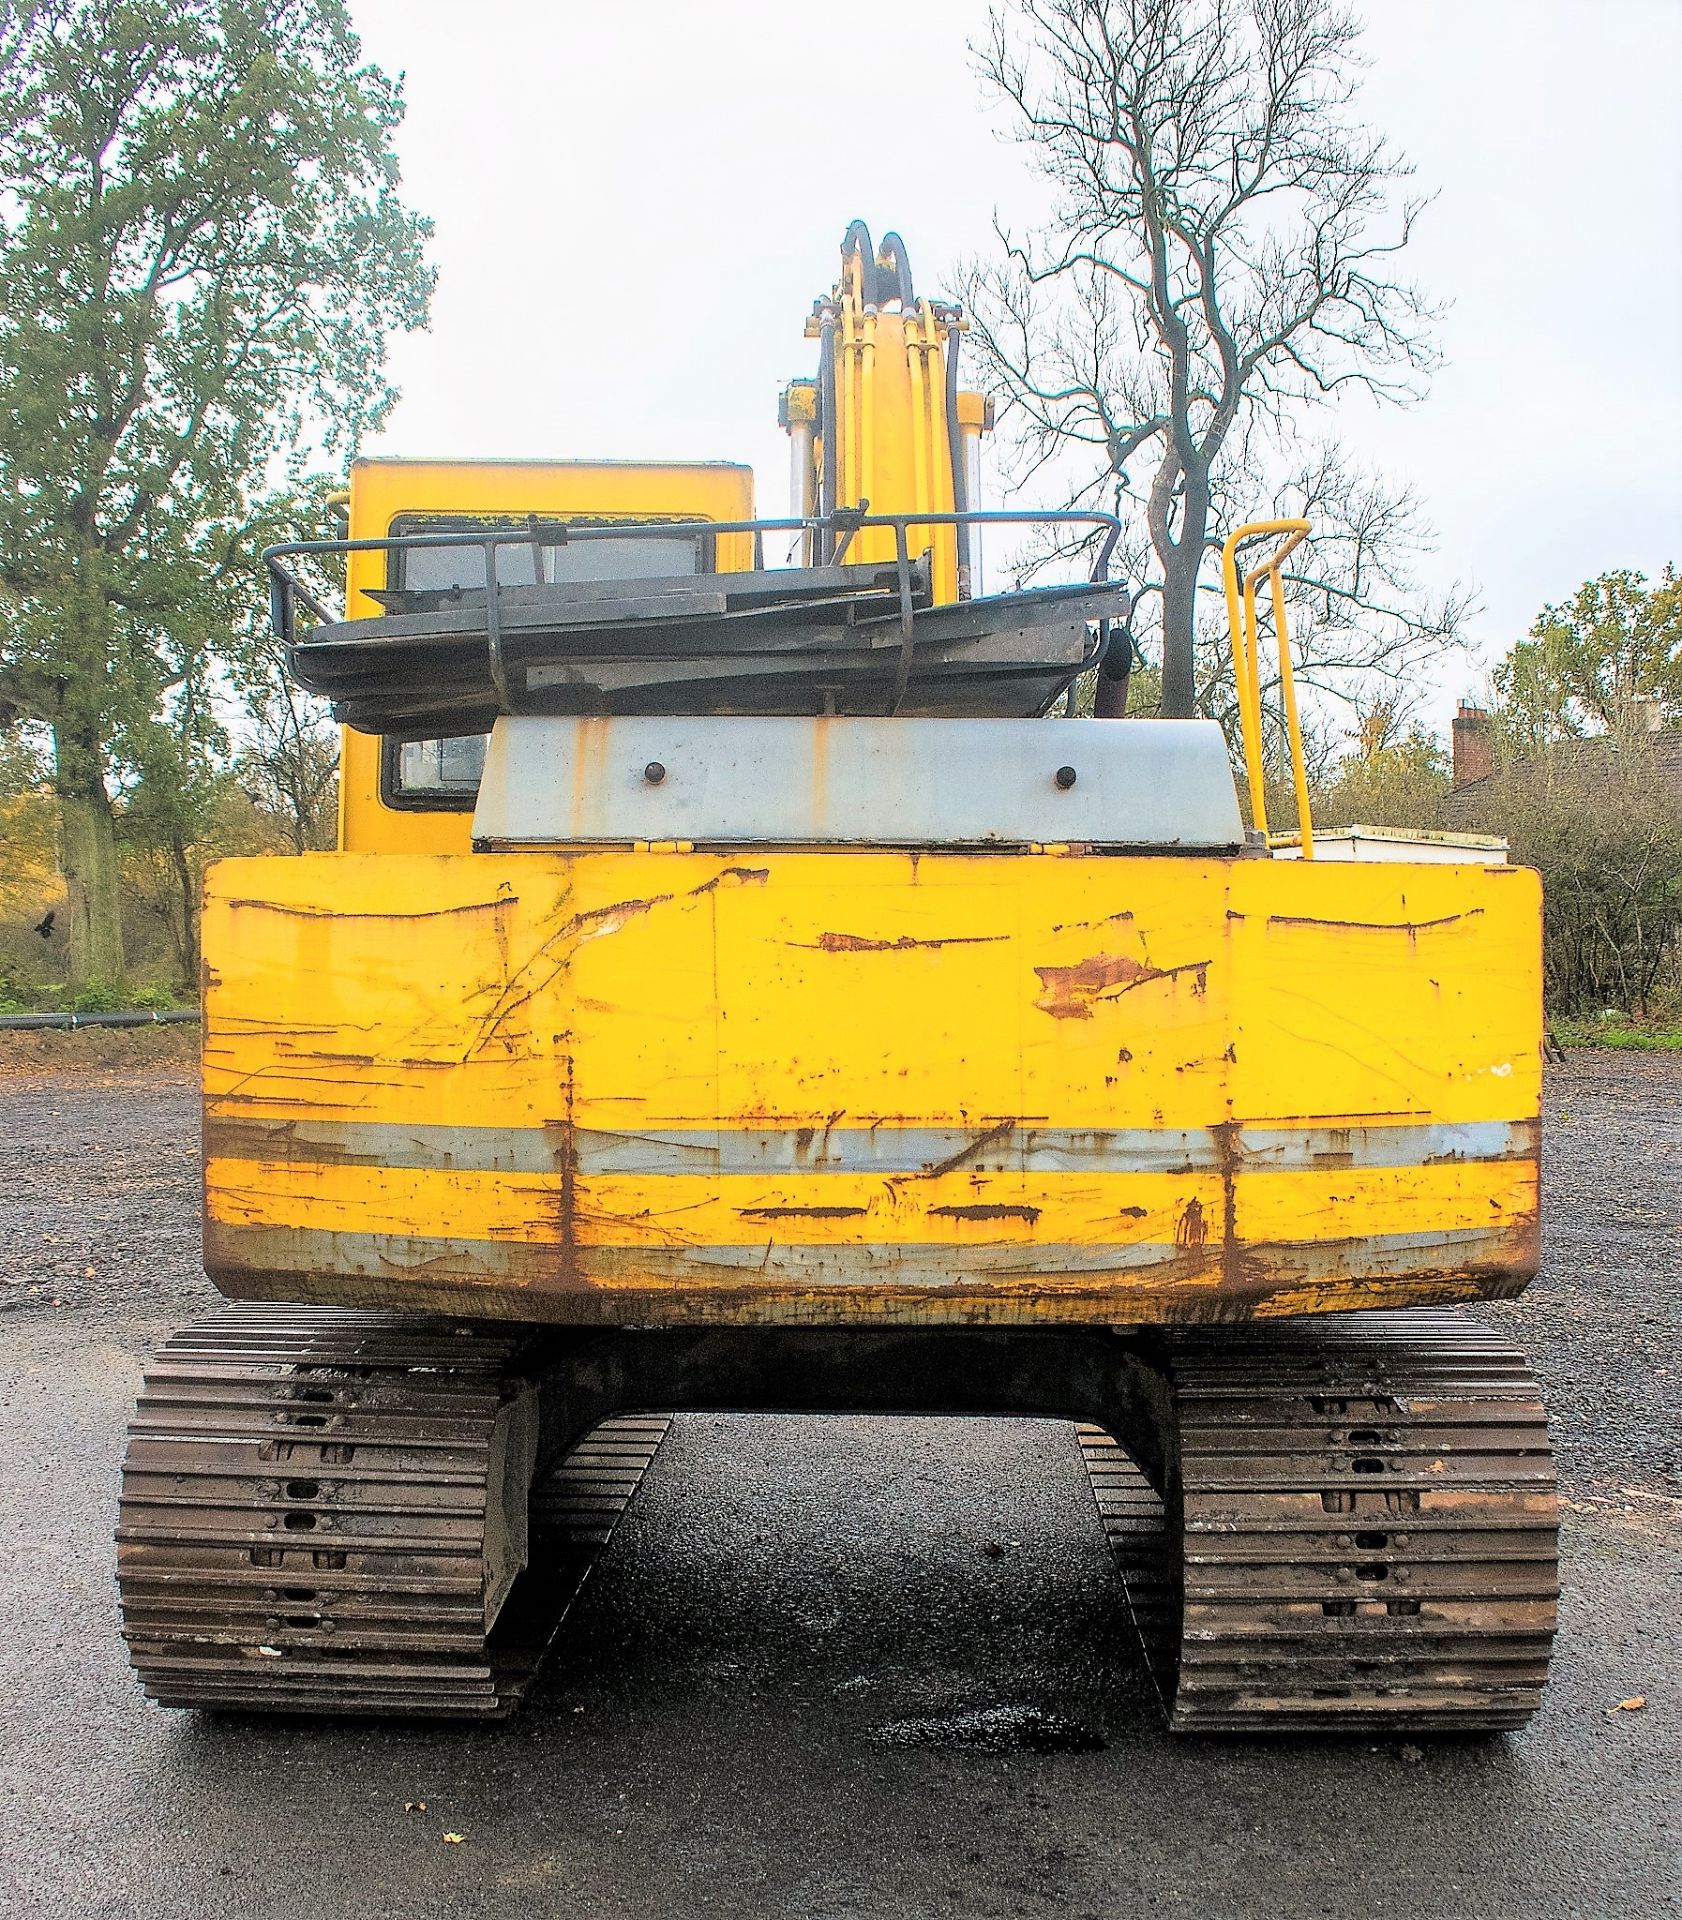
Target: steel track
<point>1356,1528</point>
<point>1369,1535</point>
<point>316,1505</point>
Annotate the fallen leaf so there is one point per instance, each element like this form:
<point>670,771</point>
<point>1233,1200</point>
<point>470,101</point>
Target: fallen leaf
<point>87,1273</point>
<point>1633,1704</point>
<point>453,1839</point>
<point>414,1806</point>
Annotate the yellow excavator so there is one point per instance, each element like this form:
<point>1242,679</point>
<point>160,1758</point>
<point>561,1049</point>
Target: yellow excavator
<point>745,981</point>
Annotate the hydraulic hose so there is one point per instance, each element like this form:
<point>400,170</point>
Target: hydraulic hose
<point>828,426</point>
<point>955,453</point>
<point>893,259</point>
<point>857,240</point>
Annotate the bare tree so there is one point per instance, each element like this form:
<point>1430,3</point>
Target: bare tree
<point>289,763</point>
<point>1220,258</point>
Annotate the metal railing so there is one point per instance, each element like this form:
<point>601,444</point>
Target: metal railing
<point>1246,663</point>
<point>833,533</point>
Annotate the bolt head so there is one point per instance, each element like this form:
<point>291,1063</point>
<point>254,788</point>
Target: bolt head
<point>654,773</point>
<point>1066,777</point>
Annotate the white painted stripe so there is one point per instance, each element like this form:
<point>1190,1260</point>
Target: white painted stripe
<point>888,1150</point>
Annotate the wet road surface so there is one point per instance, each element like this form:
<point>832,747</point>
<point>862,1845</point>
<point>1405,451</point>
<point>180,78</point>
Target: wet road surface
<point>829,1666</point>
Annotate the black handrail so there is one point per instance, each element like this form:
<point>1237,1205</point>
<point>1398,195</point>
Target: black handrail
<point>287,591</point>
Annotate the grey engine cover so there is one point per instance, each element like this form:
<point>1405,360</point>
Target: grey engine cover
<point>751,781</point>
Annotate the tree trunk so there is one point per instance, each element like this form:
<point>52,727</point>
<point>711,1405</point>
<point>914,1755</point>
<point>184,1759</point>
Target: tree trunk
<point>187,892</point>
<point>89,841</point>
<point>1179,628</point>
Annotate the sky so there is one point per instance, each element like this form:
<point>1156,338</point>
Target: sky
<point>637,203</point>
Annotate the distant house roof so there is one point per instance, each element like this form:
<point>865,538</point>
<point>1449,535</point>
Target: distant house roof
<point>1580,763</point>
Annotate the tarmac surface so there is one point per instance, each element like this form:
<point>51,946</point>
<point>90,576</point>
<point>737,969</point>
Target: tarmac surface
<point>829,1666</point>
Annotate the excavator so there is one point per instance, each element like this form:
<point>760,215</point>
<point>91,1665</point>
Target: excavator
<point>752,975</point>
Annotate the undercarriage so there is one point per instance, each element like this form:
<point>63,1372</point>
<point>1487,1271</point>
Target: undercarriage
<point>1343,1523</point>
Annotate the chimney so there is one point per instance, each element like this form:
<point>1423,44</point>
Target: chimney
<point>1474,749</point>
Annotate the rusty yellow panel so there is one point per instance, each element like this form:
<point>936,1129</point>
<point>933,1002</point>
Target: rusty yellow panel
<point>846,1087</point>
<point>1139,1222</point>
<point>729,1210</point>
<point>1413,991</point>
<point>383,491</point>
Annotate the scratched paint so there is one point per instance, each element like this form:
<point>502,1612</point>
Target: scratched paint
<point>1070,993</point>
<point>834,1087</point>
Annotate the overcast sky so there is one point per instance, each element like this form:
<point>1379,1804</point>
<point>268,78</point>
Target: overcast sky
<point>637,203</point>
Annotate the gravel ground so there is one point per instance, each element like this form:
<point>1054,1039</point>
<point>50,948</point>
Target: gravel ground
<point>1603,1319</point>
<point>803,1681</point>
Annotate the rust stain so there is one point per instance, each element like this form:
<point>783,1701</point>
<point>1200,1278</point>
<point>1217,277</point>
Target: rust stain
<point>1109,920</point>
<point>567,1155</point>
<point>1373,926</point>
<point>1070,991</point>
<point>861,943</point>
<point>820,769</point>
<point>808,1137</point>
<point>522,1283</point>
<point>991,1211</point>
<point>748,876</point>
<point>296,912</point>
<point>1228,1147</point>
<point>801,1213</point>
<point>1191,1230</point>
<point>1002,1131</point>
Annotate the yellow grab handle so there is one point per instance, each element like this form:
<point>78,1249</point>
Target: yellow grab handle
<point>1246,662</point>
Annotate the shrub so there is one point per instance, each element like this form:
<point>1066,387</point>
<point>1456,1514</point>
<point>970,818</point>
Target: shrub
<point>1603,826</point>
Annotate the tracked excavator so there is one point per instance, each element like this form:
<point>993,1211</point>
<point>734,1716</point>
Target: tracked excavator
<point>745,980</point>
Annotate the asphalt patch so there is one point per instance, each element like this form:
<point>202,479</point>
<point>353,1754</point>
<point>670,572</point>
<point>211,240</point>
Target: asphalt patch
<point>994,1730</point>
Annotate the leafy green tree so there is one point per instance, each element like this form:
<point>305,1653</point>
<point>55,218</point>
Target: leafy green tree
<point>203,253</point>
<point>188,810</point>
<point>286,750</point>
<point>1582,790</point>
<point>1603,827</point>
<point>1606,661</point>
